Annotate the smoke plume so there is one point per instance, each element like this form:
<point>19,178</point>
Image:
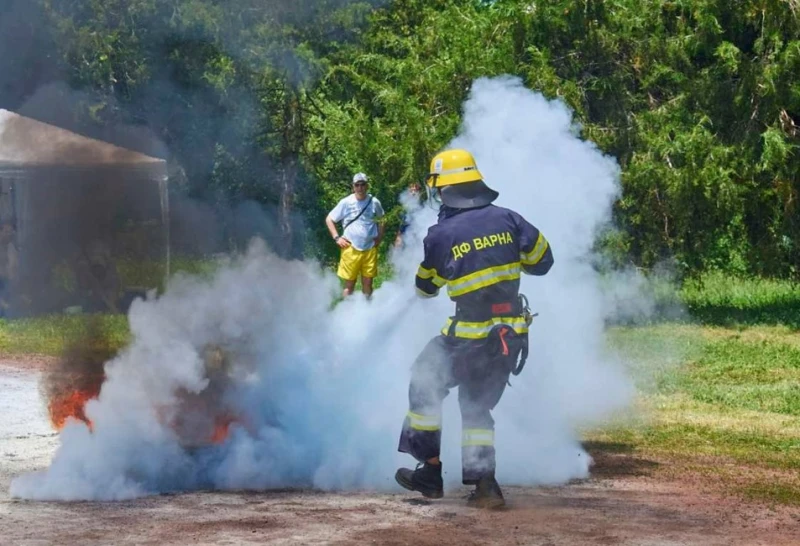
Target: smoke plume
<point>314,395</point>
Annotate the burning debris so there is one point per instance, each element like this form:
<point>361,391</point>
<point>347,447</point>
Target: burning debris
<point>204,417</point>
<point>198,418</point>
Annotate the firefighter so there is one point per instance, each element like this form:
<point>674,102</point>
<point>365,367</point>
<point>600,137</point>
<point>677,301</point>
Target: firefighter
<point>477,250</point>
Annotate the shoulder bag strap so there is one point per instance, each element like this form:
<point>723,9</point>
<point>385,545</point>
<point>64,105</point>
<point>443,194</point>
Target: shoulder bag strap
<point>359,214</point>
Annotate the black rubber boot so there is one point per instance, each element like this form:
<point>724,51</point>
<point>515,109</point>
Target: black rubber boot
<point>487,494</point>
<point>427,479</point>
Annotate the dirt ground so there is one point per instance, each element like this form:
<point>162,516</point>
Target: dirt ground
<point>625,502</point>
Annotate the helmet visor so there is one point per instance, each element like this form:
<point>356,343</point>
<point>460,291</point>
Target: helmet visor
<point>433,195</point>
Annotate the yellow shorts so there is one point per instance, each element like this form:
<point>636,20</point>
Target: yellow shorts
<point>354,262</point>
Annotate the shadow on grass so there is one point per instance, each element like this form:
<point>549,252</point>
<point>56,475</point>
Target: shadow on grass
<point>616,459</point>
<point>786,313</point>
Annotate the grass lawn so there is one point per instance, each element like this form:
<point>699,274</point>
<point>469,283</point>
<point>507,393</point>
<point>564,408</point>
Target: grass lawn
<point>52,334</point>
<point>722,402</point>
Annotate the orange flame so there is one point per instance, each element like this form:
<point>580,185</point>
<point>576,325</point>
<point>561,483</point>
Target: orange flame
<point>71,404</point>
<point>221,428</point>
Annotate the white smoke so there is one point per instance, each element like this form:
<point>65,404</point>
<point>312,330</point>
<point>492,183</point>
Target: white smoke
<point>527,148</point>
<point>319,393</point>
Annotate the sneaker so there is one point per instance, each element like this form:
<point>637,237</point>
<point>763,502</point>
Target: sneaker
<point>427,479</point>
<point>487,495</point>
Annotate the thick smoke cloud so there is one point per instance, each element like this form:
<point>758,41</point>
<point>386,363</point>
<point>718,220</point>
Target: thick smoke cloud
<point>319,393</point>
<point>527,148</point>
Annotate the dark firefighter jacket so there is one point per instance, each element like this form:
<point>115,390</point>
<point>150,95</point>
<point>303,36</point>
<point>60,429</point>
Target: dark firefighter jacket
<point>479,254</point>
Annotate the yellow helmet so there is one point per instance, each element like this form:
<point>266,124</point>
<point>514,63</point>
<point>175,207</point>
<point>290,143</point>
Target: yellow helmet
<point>455,178</point>
<point>453,167</point>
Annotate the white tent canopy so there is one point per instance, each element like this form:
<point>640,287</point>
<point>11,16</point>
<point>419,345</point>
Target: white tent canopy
<point>25,141</point>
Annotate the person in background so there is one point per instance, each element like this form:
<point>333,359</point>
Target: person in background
<point>359,213</point>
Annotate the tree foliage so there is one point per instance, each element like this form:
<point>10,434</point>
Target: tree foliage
<point>697,99</point>
<point>280,102</point>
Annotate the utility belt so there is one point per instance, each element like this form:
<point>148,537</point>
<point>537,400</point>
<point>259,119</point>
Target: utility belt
<point>503,324</point>
<point>488,311</point>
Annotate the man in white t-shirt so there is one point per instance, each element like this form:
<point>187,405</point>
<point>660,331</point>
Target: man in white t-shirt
<point>359,213</point>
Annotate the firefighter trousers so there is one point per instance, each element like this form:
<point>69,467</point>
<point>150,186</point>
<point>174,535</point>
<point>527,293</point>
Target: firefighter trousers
<point>481,376</point>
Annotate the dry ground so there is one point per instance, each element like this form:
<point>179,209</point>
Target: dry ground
<point>627,501</point>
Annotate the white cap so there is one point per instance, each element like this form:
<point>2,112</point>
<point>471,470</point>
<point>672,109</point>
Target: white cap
<point>360,177</point>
